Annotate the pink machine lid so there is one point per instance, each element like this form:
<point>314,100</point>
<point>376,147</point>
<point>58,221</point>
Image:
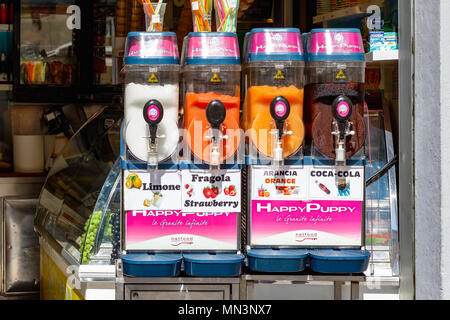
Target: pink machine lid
<point>151,48</point>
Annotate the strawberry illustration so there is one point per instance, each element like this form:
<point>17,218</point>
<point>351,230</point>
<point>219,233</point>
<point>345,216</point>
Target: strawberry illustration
<point>215,190</point>
<point>226,191</point>
<point>186,186</point>
<point>207,192</point>
<point>232,188</point>
<point>233,193</point>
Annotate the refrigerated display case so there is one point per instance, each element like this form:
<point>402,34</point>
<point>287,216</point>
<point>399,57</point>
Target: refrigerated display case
<point>78,209</point>
<point>63,51</point>
<point>381,198</point>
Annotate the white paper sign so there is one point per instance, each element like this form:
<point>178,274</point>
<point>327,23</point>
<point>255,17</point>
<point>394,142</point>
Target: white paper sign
<point>332,183</point>
<point>152,191</point>
<point>307,183</point>
<point>284,183</point>
<point>206,191</point>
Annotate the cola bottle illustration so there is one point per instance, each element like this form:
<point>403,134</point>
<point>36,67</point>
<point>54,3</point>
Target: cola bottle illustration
<point>323,188</point>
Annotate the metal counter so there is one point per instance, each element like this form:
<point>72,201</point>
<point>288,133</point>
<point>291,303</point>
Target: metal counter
<point>19,249</point>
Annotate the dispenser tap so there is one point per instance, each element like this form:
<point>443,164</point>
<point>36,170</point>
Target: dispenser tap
<point>280,109</point>
<point>153,114</point>
<point>342,110</point>
<point>215,114</point>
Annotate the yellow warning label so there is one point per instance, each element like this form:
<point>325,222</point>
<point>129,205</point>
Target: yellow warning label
<point>341,75</point>
<point>153,79</point>
<point>279,75</point>
<point>216,78</point>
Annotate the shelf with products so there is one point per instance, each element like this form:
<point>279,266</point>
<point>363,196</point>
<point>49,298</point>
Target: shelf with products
<point>382,57</point>
<point>5,87</point>
<point>6,27</point>
<point>355,12</point>
<point>53,63</point>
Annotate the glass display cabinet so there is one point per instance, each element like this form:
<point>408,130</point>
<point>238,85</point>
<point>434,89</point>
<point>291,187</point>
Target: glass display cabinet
<point>63,51</point>
<point>79,206</point>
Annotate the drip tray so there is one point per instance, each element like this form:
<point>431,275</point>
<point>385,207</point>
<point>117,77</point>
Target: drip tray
<point>151,265</point>
<point>213,265</point>
<point>277,260</point>
<point>339,261</point>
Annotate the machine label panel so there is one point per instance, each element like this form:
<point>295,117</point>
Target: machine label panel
<point>307,206</point>
<point>145,191</point>
<point>181,210</point>
<point>211,191</point>
<point>176,230</point>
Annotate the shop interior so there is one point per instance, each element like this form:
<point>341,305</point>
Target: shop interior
<point>61,111</point>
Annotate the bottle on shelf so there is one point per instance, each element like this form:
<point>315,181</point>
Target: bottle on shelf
<point>4,13</point>
<point>4,77</point>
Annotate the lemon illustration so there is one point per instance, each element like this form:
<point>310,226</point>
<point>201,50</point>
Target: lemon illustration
<point>131,177</point>
<point>137,183</point>
<point>147,203</point>
<point>129,184</point>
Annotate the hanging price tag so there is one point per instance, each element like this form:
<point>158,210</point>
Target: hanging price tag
<point>233,3</point>
<point>195,6</point>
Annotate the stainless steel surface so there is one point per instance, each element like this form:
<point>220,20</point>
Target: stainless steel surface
<point>176,288</point>
<point>180,280</point>
<point>177,292</point>
<point>302,278</point>
<point>21,186</point>
<point>248,281</point>
<point>406,145</point>
<point>20,246</point>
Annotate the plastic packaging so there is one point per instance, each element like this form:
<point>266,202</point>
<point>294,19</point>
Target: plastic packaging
<point>154,15</point>
<point>201,15</point>
<point>226,15</point>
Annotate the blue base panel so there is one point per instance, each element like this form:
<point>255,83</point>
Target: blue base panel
<point>277,261</point>
<point>152,265</point>
<point>327,261</point>
<point>339,261</point>
<point>216,265</point>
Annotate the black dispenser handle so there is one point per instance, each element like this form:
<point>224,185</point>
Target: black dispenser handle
<point>216,113</point>
<point>153,114</point>
<point>280,110</point>
<point>342,111</point>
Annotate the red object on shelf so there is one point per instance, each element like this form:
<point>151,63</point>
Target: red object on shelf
<point>4,13</point>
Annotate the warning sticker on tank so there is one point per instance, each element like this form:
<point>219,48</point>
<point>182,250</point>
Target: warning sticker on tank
<point>153,79</point>
<point>279,75</point>
<point>215,78</point>
<point>341,75</point>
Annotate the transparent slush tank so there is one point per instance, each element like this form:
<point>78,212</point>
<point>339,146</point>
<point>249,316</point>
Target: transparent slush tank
<point>321,90</point>
<point>139,91</point>
<point>265,81</point>
<point>334,94</point>
<point>212,102</point>
<point>152,75</point>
